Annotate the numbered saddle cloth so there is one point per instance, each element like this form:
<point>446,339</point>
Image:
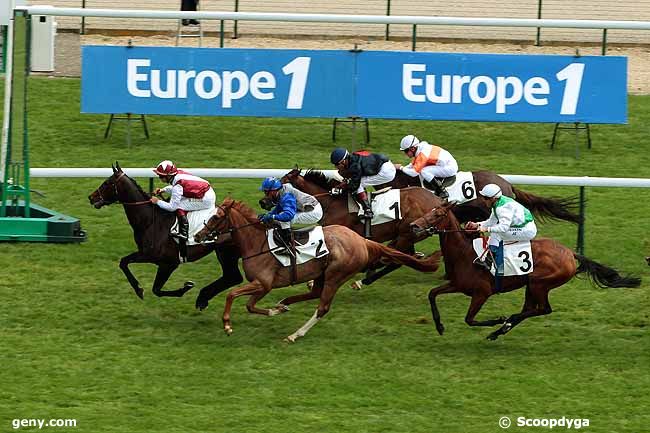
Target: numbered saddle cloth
<point>517,257</point>
<point>313,248</point>
<point>386,206</point>
<point>463,189</point>
<point>196,220</point>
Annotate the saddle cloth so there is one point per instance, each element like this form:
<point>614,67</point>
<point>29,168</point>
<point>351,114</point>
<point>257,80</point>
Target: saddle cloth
<point>196,220</point>
<point>386,206</point>
<point>517,257</point>
<point>463,189</point>
<point>314,248</point>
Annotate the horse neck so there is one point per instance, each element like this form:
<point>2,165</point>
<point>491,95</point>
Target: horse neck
<point>307,187</point>
<point>249,239</point>
<point>454,244</point>
<point>140,215</point>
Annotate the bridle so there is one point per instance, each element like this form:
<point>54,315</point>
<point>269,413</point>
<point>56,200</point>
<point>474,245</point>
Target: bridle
<point>432,229</point>
<point>113,183</point>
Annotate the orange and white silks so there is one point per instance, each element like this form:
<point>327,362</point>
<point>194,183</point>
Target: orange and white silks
<point>428,154</point>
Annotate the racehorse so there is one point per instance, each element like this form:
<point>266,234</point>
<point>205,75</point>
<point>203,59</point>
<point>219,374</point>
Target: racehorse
<point>474,210</point>
<point>349,253</point>
<point>151,227</point>
<point>554,265</point>
<point>414,203</point>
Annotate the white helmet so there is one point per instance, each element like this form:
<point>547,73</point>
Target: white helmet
<point>491,191</point>
<point>408,142</point>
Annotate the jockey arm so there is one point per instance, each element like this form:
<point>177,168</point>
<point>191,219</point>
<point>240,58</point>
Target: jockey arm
<point>286,209</point>
<point>416,165</point>
<point>174,201</point>
<point>499,222</point>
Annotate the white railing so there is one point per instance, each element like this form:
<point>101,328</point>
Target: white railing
<point>262,173</point>
<point>337,18</point>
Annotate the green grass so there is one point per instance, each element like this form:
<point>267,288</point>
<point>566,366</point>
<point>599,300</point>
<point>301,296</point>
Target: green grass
<point>76,342</point>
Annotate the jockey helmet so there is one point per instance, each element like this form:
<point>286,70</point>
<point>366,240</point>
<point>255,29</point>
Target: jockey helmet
<point>408,142</point>
<point>166,168</point>
<point>270,184</point>
<point>338,155</point>
<point>491,191</point>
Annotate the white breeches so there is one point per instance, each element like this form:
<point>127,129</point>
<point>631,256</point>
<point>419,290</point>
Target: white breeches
<point>311,217</point>
<point>525,233</point>
<point>190,204</point>
<point>386,174</point>
<point>446,167</point>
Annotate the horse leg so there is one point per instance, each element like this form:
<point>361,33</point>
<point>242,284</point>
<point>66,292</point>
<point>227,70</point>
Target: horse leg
<point>433,293</point>
<point>231,277</point>
<point>315,292</point>
<point>124,266</point>
<point>327,294</point>
<point>247,289</point>
<point>254,299</point>
<point>162,275</point>
<point>375,274</point>
<point>535,304</point>
<point>478,299</point>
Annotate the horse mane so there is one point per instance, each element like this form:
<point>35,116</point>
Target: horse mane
<point>139,188</point>
<point>317,177</point>
<point>241,207</point>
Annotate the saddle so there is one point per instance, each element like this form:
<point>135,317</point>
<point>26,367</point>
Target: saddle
<point>299,236</point>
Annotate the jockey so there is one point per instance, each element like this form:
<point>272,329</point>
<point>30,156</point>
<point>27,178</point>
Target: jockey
<point>292,206</point>
<point>362,169</point>
<point>509,221</point>
<point>188,193</point>
<point>432,163</point>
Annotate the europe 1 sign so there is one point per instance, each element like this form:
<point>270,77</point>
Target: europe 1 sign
<point>372,84</point>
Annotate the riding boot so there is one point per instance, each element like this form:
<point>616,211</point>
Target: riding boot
<point>435,185</point>
<point>183,229</point>
<point>365,204</point>
<point>485,262</point>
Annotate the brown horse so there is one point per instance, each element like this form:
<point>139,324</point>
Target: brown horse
<point>151,227</point>
<point>554,265</point>
<point>414,202</point>
<point>349,253</point>
<point>474,210</point>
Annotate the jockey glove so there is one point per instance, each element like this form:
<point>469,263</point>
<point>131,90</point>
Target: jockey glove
<point>267,217</point>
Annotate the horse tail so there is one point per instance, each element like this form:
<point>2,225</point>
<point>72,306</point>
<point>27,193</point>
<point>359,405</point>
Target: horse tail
<point>377,251</point>
<point>603,276</point>
<point>553,208</point>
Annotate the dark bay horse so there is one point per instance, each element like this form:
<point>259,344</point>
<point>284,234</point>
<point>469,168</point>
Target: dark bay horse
<point>349,253</point>
<point>554,265</point>
<point>474,210</point>
<point>151,227</point>
<point>415,202</point>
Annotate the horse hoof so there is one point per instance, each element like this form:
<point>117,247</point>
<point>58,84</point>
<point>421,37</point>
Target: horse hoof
<point>228,330</point>
<point>440,328</point>
<point>279,309</point>
<point>647,259</point>
<point>188,285</point>
<point>356,285</point>
<point>201,305</point>
<point>493,336</point>
<point>290,339</point>
<point>140,292</point>
<point>310,284</point>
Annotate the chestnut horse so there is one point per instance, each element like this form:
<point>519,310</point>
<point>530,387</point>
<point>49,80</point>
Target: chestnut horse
<point>349,253</point>
<point>554,265</point>
<point>151,227</point>
<point>414,203</point>
<point>474,210</point>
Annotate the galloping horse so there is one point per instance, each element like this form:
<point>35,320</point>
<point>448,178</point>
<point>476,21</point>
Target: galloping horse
<point>554,265</point>
<point>151,227</point>
<point>349,253</point>
<point>474,210</point>
<point>415,202</point>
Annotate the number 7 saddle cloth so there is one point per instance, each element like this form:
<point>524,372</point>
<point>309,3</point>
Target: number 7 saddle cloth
<point>313,248</point>
<point>517,257</point>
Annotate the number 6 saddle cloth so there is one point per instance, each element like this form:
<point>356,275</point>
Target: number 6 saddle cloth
<point>313,248</point>
<point>517,257</point>
<point>385,203</point>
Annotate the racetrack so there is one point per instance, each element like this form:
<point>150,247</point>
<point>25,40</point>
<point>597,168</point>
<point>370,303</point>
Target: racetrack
<point>77,343</point>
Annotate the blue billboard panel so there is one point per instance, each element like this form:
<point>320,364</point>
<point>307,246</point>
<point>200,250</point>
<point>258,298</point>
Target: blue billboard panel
<point>217,82</point>
<point>492,87</point>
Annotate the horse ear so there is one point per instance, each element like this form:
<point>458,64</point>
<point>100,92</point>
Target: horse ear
<point>117,164</point>
<point>114,169</point>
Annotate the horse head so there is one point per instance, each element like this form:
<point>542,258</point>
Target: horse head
<point>433,221</point>
<point>107,193</point>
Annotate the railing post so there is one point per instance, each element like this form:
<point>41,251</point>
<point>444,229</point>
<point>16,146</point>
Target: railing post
<point>221,34</point>
<point>83,19</point>
<point>539,17</point>
<point>234,30</point>
<point>414,37</point>
<point>603,50</point>
<point>387,14</point>
<point>151,185</point>
<point>580,247</point>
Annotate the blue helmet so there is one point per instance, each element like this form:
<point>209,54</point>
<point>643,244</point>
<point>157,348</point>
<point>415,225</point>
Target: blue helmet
<point>270,184</point>
<point>338,155</point>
